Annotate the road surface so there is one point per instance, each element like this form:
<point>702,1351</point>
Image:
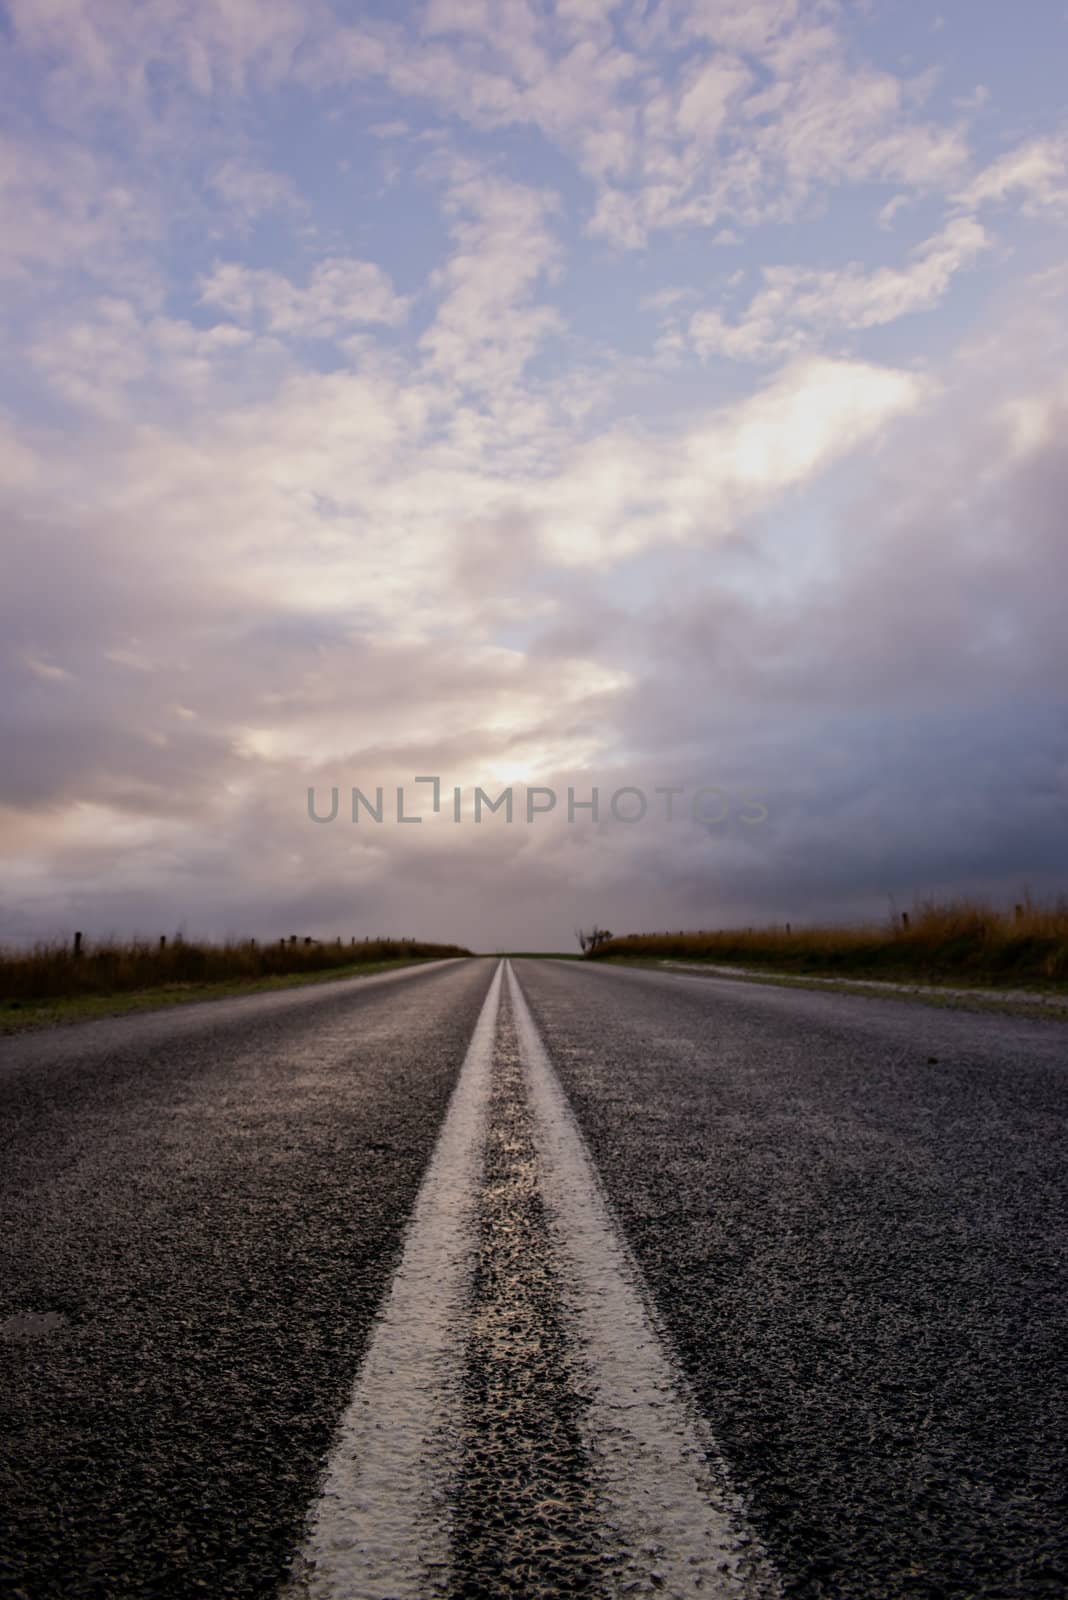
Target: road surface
<point>535,1278</point>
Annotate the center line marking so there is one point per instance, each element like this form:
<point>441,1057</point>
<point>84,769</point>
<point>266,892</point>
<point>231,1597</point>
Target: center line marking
<point>667,1520</point>
<point>380,1530</point>
<point>674,1522</point>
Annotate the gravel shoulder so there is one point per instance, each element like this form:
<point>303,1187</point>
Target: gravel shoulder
<point>1051,1003</point>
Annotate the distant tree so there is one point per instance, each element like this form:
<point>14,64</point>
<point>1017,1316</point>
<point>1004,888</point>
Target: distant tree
<point>590,942</point>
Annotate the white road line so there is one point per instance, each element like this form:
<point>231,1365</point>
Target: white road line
<point>381,1528</point>
<point>664,1493</point>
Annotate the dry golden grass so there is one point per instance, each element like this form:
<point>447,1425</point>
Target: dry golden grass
<point>962,940</point>
<point>52,971</point>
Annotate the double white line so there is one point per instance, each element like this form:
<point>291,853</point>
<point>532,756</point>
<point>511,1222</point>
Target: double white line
<point>381,1528</point>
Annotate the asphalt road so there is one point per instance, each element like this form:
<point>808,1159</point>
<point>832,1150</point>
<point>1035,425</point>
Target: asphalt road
<point>212,1202</point>
<point>778,1306</point>
<point>859,1253</point>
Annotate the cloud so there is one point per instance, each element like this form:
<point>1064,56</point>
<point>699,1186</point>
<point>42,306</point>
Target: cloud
<point>800,305</point>
<point>253,191</point>
<point>1037,171</point>
<point>627,492</point>
<point>489,527</point>
<point>756,134</point>
<point>885,701</point>
<point>693,116</point>
<point>487,327</point>
<point>690,117</point>
<point>20,466</point>
<point>887,213</point>
<point>207,46</point>
<point>341,293</point>
<point>69,209</point>
<point>114,358</point>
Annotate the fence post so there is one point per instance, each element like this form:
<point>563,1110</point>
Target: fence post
<point>788,928</point>
<point>77,944</point>
<point>163,941</point>
<point>904,922</point>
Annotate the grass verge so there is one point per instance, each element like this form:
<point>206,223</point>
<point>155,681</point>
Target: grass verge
<point>24,1016</point>
<point>963,943</point>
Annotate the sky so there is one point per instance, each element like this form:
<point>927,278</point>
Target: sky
<point>641,396</point>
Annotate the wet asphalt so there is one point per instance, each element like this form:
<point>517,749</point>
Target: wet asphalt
<point>851,1215</point>
<point>526,1521</point>
<point>204,1207</point>
<point>849,1212</point>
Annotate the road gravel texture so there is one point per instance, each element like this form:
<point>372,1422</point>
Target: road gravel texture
<point>524,1504</point>
<point>851,1215</point>
<point>210,1206</point>
<point>847,1214</point>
